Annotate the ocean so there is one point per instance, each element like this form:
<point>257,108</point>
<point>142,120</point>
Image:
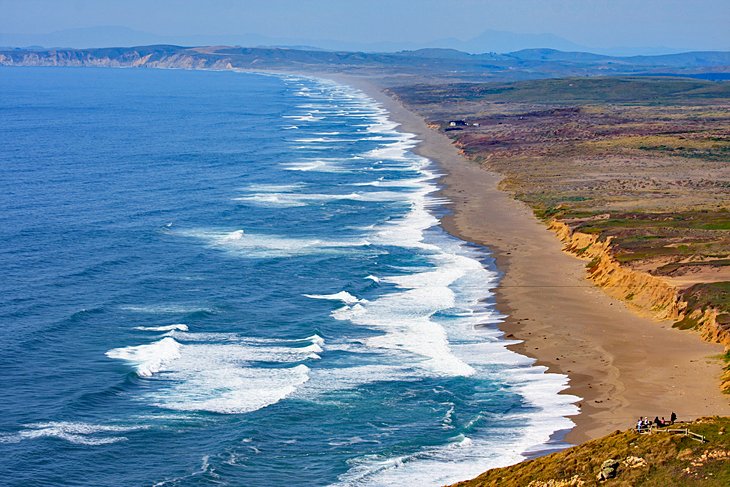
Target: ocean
<point>219,278</point>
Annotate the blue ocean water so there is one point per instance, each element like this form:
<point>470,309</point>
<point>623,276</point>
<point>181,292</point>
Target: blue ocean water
<point>234,279</point>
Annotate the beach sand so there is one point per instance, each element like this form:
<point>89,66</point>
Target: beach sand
<point>621,365</point>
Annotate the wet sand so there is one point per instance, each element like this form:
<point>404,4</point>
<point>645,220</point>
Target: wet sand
<point>621,365</point>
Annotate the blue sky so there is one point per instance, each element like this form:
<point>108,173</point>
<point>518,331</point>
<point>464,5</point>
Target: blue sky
<point>690,24</point>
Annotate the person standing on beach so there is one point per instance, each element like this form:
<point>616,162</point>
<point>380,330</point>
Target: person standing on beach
<point>672,418</point>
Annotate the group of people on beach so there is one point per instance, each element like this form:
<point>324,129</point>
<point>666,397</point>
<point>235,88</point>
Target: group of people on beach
<point>644,424</point>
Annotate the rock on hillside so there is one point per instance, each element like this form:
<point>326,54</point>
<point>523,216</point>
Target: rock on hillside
<point>626,458</point>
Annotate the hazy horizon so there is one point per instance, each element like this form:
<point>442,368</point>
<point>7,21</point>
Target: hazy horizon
<point>617,27</point>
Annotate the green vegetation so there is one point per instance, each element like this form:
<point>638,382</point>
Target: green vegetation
<point>707,295</point>
<point>710,294</point>
<point>691,145</point>
<point>722,225</point>
<point>713,154</point>
<point>669,269</point>
<point>689,239</point>
<point>663,90</point>
<point>707,220</point>
<point>658,460</point>
<point>726,375</point>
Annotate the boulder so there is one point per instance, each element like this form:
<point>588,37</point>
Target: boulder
<point>634,462</point>
<point>608,470</point>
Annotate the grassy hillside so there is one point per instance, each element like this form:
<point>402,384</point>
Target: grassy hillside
<point>659,459</point>
<point>571,91</point>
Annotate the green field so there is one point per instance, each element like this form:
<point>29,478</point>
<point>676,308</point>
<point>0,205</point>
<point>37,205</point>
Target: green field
<point>645,90</point>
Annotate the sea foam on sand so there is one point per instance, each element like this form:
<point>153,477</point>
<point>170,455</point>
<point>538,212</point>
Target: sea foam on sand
<point>407,321</point>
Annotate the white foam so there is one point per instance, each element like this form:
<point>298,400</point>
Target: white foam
<point>256,245</point>
<point>397,151</point>
<point>373,278</point>
<point>177,326</point>
<point>213,372</point>
<point>404,318</point>
<point>302,199</point>
<point>466,457</point>
<point>234,236</point>
<point>459,460</point>
<point>233,390</point>
<point>148,359</point>
<point>315,140</point>
<point>450,268</point>
<point>269,344</point>
<point>78,433</point>
<point>383,125</point>
<point>273,188</point>
<point>167,309</point>
<point>314,106</point>
<point>314,147</point>
<point>398,183</point>
<point>343,296</point>
<point>316,165</point>
<point>408,230</point>
<point>316,339</point>
<point>308,117</point>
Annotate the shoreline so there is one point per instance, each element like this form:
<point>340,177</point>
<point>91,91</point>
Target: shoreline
<point>620,364</point>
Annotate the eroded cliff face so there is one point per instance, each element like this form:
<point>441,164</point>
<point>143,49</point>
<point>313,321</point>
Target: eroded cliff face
<point>127,58</point>
<point>647,294</point>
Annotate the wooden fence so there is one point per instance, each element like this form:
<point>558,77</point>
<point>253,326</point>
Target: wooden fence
<point>652,428</point>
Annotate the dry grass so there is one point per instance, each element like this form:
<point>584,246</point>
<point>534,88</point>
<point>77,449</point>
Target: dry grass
<point>660,460</point>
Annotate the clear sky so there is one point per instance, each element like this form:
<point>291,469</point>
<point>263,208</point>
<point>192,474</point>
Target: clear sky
<point>692,24</point>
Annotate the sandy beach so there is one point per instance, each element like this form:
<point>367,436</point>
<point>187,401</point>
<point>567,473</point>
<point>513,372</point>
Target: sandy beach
<point>621,365</point>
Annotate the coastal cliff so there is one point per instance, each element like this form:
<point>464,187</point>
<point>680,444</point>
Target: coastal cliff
<point>152,57</point>
<point>643,292</point>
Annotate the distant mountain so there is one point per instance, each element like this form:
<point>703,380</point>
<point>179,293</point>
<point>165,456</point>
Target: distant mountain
<point>679,60</point>
<point>490,41</point>
<point>697,58</point>
<point>502,41</point>
<point>116,36</point>
<point>437,53</point>
<point>556,55</point>
<point>422,64</point>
